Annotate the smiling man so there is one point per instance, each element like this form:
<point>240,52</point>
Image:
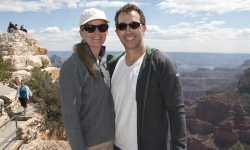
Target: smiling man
<point>146,89</point>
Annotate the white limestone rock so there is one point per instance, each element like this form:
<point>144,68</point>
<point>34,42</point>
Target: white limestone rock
<point>21,44</point>
<point>54,72</point>
<point>34,61</point>
<point>46,59</point>
<point>21,74</point>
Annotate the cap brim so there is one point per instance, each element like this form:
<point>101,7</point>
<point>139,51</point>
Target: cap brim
<point>93,19</point>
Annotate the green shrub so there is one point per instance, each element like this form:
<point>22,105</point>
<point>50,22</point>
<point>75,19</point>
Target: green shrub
<point>5,70</point>
<point>42,86</point>
<point>45,63</point>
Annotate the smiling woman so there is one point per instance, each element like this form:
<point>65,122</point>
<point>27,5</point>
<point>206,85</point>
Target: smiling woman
<point>85,87</point>
<point>207,40</point>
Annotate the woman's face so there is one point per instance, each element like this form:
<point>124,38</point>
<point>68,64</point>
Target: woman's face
<point>96,38</point>
<point>22,84</point>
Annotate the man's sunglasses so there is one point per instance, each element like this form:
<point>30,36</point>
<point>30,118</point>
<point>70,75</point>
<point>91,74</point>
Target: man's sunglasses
<point>132,25</point>
<point>91,28</point>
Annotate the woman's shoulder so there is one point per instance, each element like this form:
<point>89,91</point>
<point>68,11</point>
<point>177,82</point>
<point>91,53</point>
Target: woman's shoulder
<point>73,63</point>
<point>73,59</point>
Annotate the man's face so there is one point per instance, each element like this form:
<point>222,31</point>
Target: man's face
<point>131,38</point>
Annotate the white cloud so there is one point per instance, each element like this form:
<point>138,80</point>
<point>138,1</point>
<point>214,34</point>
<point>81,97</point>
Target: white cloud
<point>105,3</point>
<point>72,3</point>
<point>192,38</point>
<point>205,18</point>
<point>21,6</point>
<point>183,24</point>
<point>58,40</point>
<point>244,33</point>
<point>217,23</point>
<point>31,31</point>
<point>51,30</point>
<point>49,5</point>
<point>199,22</point>
<point>153,28</point>
<point>191,7</point>
<point>186,37</point>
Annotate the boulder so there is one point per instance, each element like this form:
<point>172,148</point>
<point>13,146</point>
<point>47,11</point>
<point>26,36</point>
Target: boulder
<point>5,99</point>
<point>34,61</point>
<point>54,72</point>
<point>21,74</point>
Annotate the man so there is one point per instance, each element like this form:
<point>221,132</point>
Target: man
<point>147,90</point>
<point>22,28</point>
<point>16,27</point>
<point>11,27</point>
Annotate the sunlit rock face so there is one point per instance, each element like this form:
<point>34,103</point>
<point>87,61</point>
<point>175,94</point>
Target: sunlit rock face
<point>24,52</point>
<point>221,118</point>
<point>19,43</point>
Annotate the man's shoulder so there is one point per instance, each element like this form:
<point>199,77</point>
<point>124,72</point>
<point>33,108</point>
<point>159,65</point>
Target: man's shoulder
<point>113,58</point>
<point>158,54</point>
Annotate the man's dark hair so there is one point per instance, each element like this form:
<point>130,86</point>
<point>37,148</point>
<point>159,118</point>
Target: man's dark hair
<point>128,8</point>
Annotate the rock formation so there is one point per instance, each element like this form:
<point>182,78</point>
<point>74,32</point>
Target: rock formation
<point>245,79</point>
<point>42,145</point>
<point>220,120</point>
<point>18,43</point>
<point>197,83</point>
<point>57,61</point>
<point>25,52</point>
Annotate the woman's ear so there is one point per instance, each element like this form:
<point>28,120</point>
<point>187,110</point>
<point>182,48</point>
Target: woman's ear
<point>81,33</point>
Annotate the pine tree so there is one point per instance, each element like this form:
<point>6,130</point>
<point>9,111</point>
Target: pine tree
<point>5,70</point>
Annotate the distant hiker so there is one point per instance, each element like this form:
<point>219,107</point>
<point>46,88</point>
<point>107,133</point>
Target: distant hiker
<point>10,27</point>
<point>23,93</point>
<point>16,27</point>
<point>22,29</point>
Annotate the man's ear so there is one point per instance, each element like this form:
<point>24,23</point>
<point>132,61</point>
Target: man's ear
<point>144,30</point>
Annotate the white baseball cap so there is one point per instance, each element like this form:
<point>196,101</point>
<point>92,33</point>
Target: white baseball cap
<point>92,14</point>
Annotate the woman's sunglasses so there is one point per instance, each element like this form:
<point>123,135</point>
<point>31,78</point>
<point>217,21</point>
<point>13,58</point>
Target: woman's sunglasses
<point>91,28</point>
<point>132,25</point>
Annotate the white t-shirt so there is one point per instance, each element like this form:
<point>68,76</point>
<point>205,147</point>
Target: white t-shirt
<point>123,89</point>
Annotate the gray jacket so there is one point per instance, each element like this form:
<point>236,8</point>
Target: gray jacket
<point>160,105</point>
<point>87,105</point>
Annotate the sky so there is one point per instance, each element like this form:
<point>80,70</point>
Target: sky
<point>210,26</point>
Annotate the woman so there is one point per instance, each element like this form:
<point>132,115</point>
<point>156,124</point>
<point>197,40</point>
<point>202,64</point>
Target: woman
<point>87,104</point>
<point>23,92</point>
